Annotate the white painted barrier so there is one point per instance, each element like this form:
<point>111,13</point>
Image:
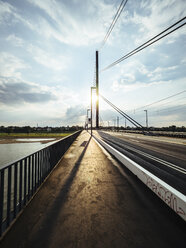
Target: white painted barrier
<point>173,198</point>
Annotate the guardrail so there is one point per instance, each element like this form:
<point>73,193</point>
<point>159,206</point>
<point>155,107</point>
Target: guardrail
<point>20,179</point>
<point>173,198</point>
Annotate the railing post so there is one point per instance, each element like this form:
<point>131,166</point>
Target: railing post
<point>29,178</point>
<point>20,184</point>
<point>15,190</point>
<point>41,166</point>
<point>38,174</point>
<point>35,171</point>
<point>1,201</point>
<point>9,196</point>
<point>44,163</point>
<point>32,174</point>
<point>25,180</point>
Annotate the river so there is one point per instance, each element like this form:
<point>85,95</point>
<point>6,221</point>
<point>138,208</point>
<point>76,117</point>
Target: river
<point>11,152</point>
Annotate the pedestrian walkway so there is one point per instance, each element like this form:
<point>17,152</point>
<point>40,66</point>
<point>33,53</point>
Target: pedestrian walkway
<point>87,202</point>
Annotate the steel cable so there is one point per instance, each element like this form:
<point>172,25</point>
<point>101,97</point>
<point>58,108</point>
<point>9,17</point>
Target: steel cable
<point>146,44</point>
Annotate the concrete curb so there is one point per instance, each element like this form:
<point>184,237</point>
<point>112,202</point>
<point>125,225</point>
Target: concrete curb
<point>173,198</point>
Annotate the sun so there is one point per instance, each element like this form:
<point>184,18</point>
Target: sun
<point>94,98</point>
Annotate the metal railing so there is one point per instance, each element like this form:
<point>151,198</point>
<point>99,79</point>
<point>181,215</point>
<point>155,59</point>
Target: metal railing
<point>20,179</point>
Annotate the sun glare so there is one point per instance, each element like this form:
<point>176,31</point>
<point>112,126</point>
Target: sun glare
<point>94,98</point>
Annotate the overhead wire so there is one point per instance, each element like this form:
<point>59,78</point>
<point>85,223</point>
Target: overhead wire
<point>161,100</point>
<point>136,50</point>
<point>171,109</point>
<point>117,15</point>
<point>147,43</point>
<point>177,100</point>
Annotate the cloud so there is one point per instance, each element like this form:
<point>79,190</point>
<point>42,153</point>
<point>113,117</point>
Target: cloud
<point>13,92</point>
<point>169,72</point>
<point>83,27</point>
<point>75,114</point>
<point>177,110</point>
<point>130,76</point>
<point>11,15</point>
<point>143,72</point>
<point>16,41</point>
<point>27,103</point>
<point>47,59</point>
<point>156,15</point>
<point>174,115</point>
<point>108,115</point>
<point>133,87</point>
<point>6,10</point>
<point>11,65</point>
<point>52,43</point>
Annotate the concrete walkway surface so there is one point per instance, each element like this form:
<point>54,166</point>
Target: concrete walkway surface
<point>86,202</point>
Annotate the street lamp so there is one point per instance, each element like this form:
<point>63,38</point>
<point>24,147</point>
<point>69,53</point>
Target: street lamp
<point>114,123</point>
<point>146,118</point>
<point>92,88</point>
<point>118,123</point>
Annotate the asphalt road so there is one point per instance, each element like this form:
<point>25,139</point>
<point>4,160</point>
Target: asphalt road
<point>164,157</point>
<point>86,202</point>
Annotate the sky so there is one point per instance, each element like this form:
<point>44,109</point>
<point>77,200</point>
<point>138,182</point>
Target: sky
<point>47,61</point>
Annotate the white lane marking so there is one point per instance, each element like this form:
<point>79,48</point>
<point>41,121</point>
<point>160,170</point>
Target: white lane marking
<point>166,163</point>
<point>172,197</point>
<point>181,141</point>
<point>136,141</point>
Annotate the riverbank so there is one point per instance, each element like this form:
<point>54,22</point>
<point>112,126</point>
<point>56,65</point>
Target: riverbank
<point>12,137</point>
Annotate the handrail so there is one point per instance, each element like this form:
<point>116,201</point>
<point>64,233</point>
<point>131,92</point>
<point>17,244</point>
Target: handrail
<point>16,161</point>
<point>20,179</point>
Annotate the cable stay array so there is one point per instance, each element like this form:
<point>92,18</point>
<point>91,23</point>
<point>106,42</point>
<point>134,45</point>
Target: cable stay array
<point>177,25</point>
<point>156,38</point>
<point>96,72</point>
<point>117,15</point>
<point>130,119</point>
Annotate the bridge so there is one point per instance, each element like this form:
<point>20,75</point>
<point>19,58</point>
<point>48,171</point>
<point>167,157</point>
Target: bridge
<point>99,187</point>
<point>88,198</point>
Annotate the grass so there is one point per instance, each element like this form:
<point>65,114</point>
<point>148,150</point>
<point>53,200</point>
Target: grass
<point>34,135</point>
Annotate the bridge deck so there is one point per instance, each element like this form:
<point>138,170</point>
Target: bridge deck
<point>87,202</point>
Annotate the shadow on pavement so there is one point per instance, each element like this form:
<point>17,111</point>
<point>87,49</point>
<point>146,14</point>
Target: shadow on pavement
<point>42,238</point>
